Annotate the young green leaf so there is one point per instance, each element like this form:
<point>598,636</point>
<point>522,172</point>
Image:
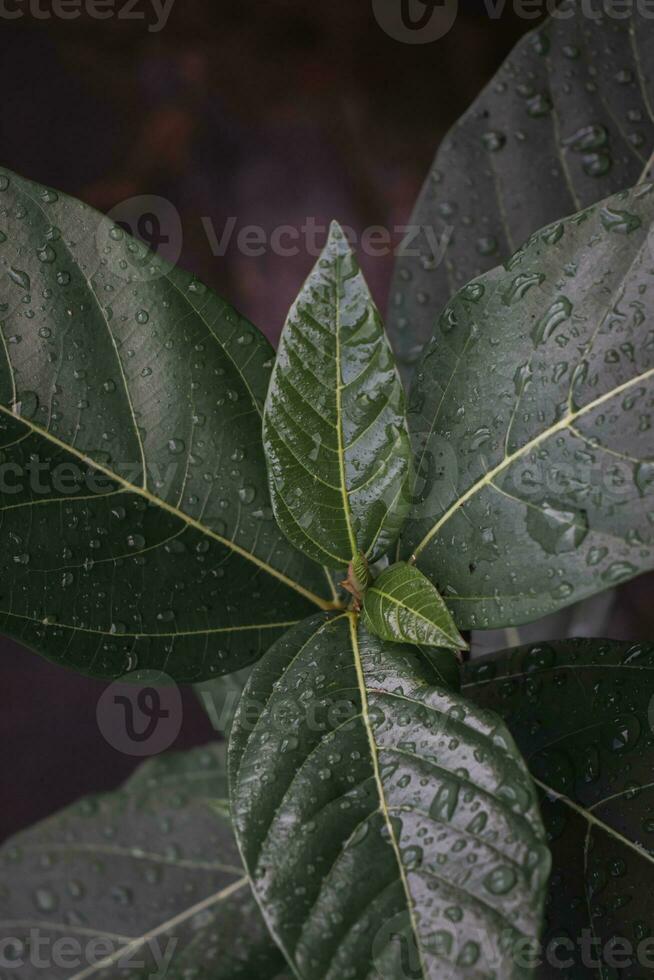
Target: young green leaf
<point>581,712</point>
<point>334,427</point>
<point>532,418</point>
<point>403,606</point>
<point>383,821</point>
<point>146,880</point>
<point>135,506</point>
<point>537,144</point>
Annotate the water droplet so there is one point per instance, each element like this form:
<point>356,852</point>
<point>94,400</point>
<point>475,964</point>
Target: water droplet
<point>555,315</point>
<point>500,880</point>
<point>555,529</point>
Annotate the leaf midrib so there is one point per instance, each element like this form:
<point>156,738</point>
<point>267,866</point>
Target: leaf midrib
<point>593,820</point>
<point>363,693</point>
<point>339,412</point>
<point>414,612</point>
<point>171,509</point>
<point>507,461</point>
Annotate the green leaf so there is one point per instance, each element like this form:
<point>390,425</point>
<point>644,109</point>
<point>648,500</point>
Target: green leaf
<point>539,143</point>
<point>581,712</point>
<point>135,507</point>
<point>152,870</point>
<point>403,606</point>
<point>531,415</point>
<point>386,823</point>
<point>334,428</point>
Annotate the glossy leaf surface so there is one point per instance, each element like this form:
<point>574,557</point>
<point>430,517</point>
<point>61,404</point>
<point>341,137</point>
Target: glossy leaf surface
<point>532,415</point>
<point>334,426</point>
<point>403,606</point>
<point>387,824</point>
<point>147,875</point>
<point>581,712</point>
<point>565,122</point>
<point>135,511</point>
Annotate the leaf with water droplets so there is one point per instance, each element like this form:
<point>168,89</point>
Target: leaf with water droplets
<point>384,821</point>
<point>334,428</point>
<point>581,713</point>
<point>532,417</point>
<point>135,510</point>
<point>565,122</point>
<point>131,880</point>
<point>403,606</point>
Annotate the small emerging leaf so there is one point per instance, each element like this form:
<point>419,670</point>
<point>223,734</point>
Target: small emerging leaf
<point>403,606</point>
<point>334,426</point>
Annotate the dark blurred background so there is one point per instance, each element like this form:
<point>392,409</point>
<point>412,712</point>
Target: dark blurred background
<point>266,113</point>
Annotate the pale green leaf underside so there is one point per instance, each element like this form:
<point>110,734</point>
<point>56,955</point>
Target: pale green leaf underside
<point>403,606</point>
<point>334,426</point>
<point>580,711</point>
<point>540,142</point>
<point>382,820</point>
<point>532,416</point>
<point>152,869</point>
<point>145,535</point>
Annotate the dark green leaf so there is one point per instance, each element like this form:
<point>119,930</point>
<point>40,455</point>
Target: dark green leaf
<point>387,824</point>
<point>152,870</point>
<point>334,426</point>
<point>566,121</point>
<point>403,606</point>
<point>532,421</point>
<point>581,712</point>
<point>135,508</point>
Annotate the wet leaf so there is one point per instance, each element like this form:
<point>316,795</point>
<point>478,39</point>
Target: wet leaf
<point>532,417</point>
<point>136,518</point>
<point>388,826</point>
<point>565,122</point>
<point>403,606</point>
<point>334,426</point>
<point>149,875</point>
<point>581,712</point>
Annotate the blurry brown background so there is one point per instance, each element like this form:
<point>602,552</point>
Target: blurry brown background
<point>269,112</point>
